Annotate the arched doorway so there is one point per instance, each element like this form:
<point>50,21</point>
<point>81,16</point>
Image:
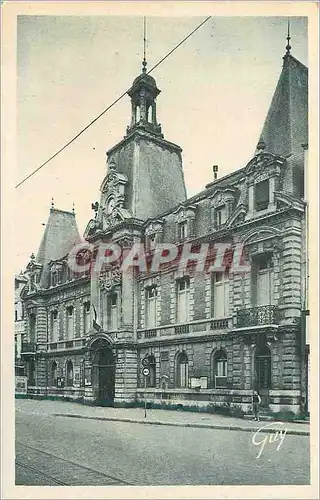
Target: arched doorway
<point>103,374</point>
<point>262,369</point>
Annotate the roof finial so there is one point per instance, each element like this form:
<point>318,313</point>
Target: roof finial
<point>288,47</point>
<point>144,62</point>
<point>73,211</point>
<point>52,204</point>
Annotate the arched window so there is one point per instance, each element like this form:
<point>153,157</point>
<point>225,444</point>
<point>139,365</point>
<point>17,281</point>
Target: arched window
<point>69,374</point>
<point>138,114</point>
<point>54,374</point>
<point>182,370</point>
<point>149,114</point>
<point>151,379</point>
<point>220,369</point>
<point>263,368</point>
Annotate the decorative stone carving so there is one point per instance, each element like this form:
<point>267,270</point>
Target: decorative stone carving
<point>110,278</point>
<point>154,227</point>
<point>183,213</point>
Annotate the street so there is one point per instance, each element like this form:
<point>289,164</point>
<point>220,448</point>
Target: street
<point>56,450</point>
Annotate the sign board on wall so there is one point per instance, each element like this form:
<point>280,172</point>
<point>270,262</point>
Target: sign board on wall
<point>199,382</point>
<point>21,383</point>
<point>87,375</point>
<point>60,382</point>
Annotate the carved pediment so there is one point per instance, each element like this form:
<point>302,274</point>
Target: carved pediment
<point>185,212</point>
<point>222,196</point>
<point>262,164</point>
<point>260,234</point>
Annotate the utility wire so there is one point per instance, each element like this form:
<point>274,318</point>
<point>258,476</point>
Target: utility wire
<point>109,107</point>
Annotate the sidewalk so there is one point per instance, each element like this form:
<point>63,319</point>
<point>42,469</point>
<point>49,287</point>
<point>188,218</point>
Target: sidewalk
<point>154,417</point>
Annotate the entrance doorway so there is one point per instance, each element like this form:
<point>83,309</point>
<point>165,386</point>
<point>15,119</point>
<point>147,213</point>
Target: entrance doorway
<point>263,373</point>
<point>103,376</point>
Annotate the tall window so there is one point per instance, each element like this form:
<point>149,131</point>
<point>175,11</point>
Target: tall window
<point>69,374</point>
<point>182,370</point>
<point>220,369</point>
<point>151,309</point>
<point>113,311</point>
<point>262,195</point>
<point>54,278</point>
<point>32,327</point>
<point>86,317</point>
<point>220,288</point>
<point>220,216</point>
<point>69,322</point>
<point>262,280</point>
<point>54,374</point>
<point>182,230</point>
<point>183,288</point>
<point>54,326</point>
<point>151,379</point>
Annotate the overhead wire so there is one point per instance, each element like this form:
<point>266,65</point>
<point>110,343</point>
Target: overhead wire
<point>109,107</point>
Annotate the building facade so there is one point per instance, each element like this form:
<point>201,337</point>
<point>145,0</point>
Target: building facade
<point>209,338</point>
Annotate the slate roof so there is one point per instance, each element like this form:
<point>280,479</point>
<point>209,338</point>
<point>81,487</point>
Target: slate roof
<point>286,126</point>
<point>60,235</point>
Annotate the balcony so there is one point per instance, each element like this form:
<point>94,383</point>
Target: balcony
<point>28,348</point>
<point>257,316</point>
<point>197,327</point>
<point>67,344</point>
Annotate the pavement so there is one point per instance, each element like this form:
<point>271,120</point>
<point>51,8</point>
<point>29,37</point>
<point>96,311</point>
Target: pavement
<point>173,418</point>
<point>71,451</point>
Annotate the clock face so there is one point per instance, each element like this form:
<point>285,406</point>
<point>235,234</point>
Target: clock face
<point>110,205</point>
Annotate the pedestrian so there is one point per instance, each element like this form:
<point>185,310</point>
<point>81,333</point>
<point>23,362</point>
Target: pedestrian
<point>256,400</point>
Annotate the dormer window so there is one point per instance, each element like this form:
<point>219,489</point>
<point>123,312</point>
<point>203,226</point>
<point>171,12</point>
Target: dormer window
<point>182,230</point>
<point>54,278</point>
<point>262,195</point>
<point>220,216</point>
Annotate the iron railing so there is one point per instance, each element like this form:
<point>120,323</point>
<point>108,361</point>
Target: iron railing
<point>255,316</point>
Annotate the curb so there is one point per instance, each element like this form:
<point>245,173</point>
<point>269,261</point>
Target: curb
<point>178,424</point>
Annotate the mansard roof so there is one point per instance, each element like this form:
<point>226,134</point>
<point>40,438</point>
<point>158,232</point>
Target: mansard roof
<point>286,126</point>
<point>60,235</point>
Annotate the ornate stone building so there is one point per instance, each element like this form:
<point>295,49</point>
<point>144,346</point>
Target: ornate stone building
<point>212,337</point>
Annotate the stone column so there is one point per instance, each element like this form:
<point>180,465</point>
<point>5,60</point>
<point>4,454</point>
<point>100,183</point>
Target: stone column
<point>272,185</point>
<point>143,106</point>
<point>251,198</point>
<point>154,113</point>
<point>125,376</point>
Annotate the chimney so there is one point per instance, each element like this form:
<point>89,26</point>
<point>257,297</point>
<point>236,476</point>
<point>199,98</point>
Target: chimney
<point>215,169</point>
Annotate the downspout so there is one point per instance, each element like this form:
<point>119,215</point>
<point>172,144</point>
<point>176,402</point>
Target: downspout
<point>305,299</point>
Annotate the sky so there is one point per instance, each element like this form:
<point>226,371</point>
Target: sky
<point>215,93</point>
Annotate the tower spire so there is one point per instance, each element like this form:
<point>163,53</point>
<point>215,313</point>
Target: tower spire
<point>288,47</point>
<point>144,62</point>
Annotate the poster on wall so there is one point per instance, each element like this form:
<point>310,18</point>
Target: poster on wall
<point>76,380</point>
<point>87,375</point>
<point>21,385</point>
